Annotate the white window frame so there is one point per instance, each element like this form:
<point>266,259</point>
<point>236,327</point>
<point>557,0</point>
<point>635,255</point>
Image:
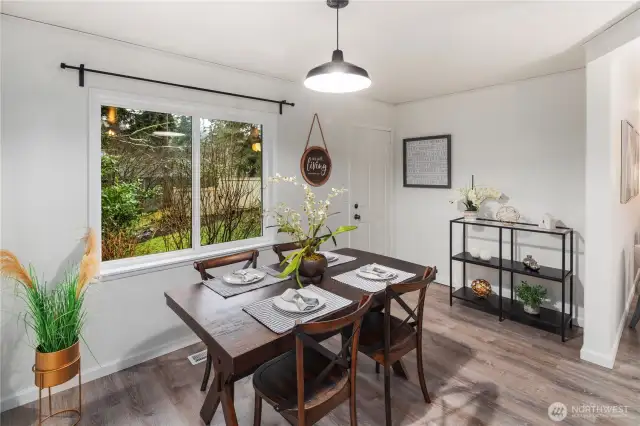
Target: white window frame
<point>158,261</point>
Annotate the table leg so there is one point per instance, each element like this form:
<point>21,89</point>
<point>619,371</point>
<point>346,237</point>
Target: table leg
<point>212,399</point>
<point>228,409</point>
<point>400,370</point>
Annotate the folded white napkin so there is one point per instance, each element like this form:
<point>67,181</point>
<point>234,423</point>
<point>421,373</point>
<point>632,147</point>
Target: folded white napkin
<point>378,270</point>
<point>244,275</point>
<point>303,303</point>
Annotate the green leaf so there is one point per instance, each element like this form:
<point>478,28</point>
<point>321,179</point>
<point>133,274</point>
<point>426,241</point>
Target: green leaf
<point>289,256</point>
<point>335,242</point>
<point>340,230</point>
<point>294,264</point>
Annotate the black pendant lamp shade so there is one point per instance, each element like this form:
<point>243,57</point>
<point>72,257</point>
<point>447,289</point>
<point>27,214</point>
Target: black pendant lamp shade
<point>337,76</point>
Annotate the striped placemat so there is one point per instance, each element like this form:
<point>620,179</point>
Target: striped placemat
<point>280,322</point>
<point>372,286</point>
<point>227,290</point>
<point>342,258</point>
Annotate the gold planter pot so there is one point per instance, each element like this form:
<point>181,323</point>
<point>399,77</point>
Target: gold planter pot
<point>53,369</point>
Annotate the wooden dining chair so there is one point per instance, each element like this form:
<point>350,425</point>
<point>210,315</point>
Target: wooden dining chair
<point>251,258</point>
<point>305,384</point>
<point>386,338</point>
<point>279,249</point>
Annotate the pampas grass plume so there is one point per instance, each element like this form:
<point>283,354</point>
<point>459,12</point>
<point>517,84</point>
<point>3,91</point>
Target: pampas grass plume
<point>10,267</point>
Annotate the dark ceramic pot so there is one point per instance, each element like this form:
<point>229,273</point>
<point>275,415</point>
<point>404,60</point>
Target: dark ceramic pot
<point>313,268</point>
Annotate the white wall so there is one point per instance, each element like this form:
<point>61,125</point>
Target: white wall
<point>44,179</point>
<point>612,228</point>
<point>525,139</point>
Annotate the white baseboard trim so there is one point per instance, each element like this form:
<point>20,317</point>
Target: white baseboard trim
<point>598,358</point>
<point>608,359</point>
<point>30,394</point>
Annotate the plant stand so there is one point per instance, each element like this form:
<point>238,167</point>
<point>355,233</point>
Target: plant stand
<point>549,319</point>
<point>47,378</point>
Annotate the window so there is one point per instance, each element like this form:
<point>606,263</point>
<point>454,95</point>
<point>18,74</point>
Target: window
<point>169,190</point>
<point>230,181</point>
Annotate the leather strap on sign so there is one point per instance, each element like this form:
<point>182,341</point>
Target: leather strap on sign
<point>315,164</point>
<point>315,117</point>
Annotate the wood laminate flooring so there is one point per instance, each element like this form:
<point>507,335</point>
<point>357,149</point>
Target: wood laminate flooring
<point>479,372</point>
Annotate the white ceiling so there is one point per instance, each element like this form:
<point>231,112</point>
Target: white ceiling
<point>412,50</point>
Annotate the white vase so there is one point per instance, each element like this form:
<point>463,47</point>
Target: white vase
<point>533,310</point>
<point>474,252</point>
<point>470,215</point>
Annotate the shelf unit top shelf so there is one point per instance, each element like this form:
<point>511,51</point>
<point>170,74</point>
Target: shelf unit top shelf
<point>545,272</point>
<point>518,226</point>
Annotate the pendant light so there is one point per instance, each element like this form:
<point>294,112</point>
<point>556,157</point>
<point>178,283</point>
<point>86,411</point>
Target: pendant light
<point>337,76</point>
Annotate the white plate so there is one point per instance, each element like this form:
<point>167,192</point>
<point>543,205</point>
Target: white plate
<point>232,279</point>
<point>374,277</point>
<point>330,256</point>
<point>283,305</point>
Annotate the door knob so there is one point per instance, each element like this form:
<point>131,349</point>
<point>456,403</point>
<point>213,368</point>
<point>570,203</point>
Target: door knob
<point>355,206</point>
<point>356,216</point>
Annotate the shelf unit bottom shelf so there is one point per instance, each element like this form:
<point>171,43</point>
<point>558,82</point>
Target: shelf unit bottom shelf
<point>548,320</point>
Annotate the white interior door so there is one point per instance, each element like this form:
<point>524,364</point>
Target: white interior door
<point>369,185</point>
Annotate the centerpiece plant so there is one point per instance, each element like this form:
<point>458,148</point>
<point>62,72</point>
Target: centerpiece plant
<point>306,260</point>
<point>54,314</point>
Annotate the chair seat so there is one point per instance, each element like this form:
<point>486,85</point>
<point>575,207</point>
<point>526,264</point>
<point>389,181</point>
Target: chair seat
<point>276,381</point>
<point>372,334</point>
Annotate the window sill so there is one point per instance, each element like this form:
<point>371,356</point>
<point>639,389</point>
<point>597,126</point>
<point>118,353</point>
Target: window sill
<point>119,272</point>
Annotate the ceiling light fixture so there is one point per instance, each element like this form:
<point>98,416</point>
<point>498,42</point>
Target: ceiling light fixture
<point>167,133</point>
<point>337,76</point>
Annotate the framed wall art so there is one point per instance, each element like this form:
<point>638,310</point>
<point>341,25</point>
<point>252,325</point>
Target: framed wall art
<point>427,162</point>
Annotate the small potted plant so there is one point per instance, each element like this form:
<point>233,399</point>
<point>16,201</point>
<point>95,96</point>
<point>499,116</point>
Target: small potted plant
<point>532,296</point>
<point>306,261</point>
<point>472,198</point>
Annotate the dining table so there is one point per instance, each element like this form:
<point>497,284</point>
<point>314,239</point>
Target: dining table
<point>239,344</point>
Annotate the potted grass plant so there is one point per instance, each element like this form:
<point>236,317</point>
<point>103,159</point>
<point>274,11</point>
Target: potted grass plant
<point>533,296</point>
<point>55,314</point>
<point>306,261</point>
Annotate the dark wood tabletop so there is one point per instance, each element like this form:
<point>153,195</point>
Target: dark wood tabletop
<point>239,343</point>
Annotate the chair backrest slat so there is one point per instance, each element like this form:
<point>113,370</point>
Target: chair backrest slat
<point>394,292</point>
<point>303,333</point>
<point>251,258</point>
<point>280,249</point>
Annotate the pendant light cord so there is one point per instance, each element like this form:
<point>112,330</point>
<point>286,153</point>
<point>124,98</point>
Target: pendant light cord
<point>337,28</point>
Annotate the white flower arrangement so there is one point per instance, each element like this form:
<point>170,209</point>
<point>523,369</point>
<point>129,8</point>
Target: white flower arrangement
<point>289,221</point>
<point>473,197</point>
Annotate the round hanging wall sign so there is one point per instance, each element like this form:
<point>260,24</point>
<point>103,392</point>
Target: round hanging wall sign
<point>315,164</point>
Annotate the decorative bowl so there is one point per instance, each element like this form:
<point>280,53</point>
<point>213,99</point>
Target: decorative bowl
<point>507,214</point>
<point>481,288</point>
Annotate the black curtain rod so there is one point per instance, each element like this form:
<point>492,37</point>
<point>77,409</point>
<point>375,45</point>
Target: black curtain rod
<point>82,69</point>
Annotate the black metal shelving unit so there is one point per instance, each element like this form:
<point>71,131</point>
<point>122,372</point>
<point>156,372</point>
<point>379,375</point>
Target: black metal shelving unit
<point>549,319</point>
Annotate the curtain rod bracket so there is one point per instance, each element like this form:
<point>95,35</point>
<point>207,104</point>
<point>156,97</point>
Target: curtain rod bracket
<point>82,69</point>
<point>81,76</point>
